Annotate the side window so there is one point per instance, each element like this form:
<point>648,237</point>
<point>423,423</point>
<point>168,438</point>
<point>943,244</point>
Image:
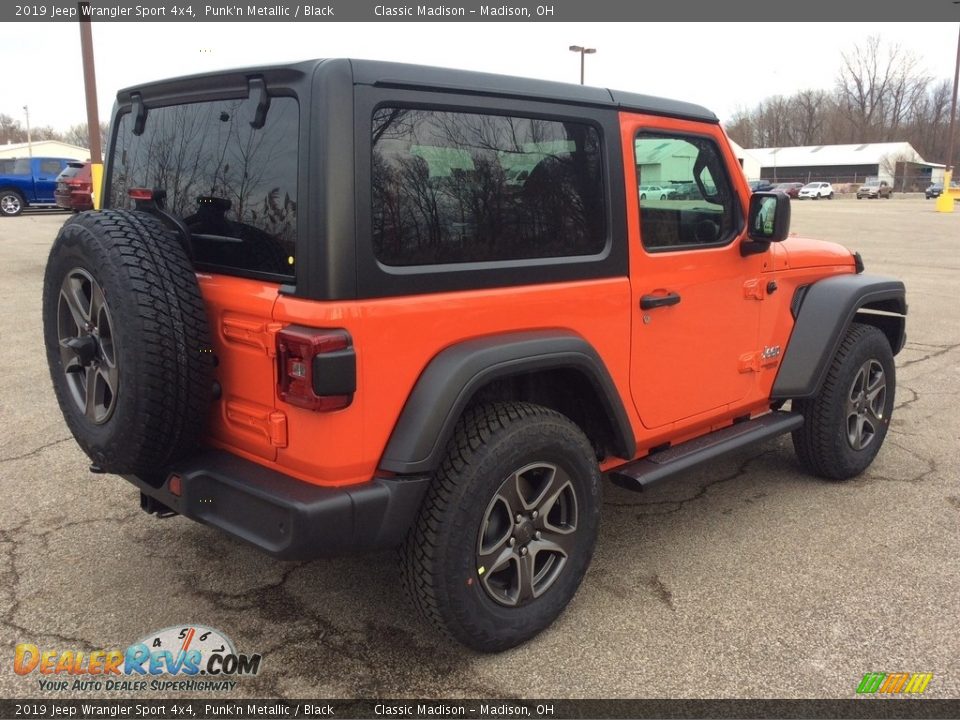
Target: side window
<point>686,199</point>
<point>453,187</point>
<point>21,166</point>
<point>49,168</point>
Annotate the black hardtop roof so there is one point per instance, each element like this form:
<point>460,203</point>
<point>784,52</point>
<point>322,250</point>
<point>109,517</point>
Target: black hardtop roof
<point>424,77</point>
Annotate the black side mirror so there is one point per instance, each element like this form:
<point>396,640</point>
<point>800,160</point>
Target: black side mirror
<point>769,219</point>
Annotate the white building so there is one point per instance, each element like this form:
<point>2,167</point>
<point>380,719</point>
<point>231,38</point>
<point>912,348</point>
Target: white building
<point>896,162</point>
<point>44,148</point>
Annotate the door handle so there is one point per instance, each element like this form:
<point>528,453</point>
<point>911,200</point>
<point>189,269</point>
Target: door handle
<point>648,302</point>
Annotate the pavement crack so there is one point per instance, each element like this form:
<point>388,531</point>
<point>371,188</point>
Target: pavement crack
<point>908,402</point>
<point>941,350</point>
<point>36,451</point>
<point>662,591</point>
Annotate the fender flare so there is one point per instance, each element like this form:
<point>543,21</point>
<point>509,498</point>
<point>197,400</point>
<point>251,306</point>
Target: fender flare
<point>453,377</point>
<point>823,312</point>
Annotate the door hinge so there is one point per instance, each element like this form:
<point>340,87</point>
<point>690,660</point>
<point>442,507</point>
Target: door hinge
<point>253,332</point>
<point>753,289</point>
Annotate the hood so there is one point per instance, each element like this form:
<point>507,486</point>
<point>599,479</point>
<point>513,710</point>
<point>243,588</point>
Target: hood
<point>807,252</point>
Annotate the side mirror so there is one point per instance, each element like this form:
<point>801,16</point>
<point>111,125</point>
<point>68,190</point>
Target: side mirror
<point>769,219</point>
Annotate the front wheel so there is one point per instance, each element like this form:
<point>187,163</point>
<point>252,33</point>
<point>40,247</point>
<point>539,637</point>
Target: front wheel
<point>508,527</point>
<point>11,203</point>
<point>845,425</point>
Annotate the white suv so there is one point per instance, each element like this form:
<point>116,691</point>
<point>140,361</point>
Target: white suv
<point>816,190</point>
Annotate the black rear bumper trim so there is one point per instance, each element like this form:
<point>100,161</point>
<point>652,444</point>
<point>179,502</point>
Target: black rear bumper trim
<point>285,517</point>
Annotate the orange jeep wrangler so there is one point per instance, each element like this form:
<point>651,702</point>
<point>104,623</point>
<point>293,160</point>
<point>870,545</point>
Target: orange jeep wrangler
<point>347,305</point>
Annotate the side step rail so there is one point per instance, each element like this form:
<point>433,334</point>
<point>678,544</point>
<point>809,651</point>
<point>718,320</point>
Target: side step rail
<point>664,463</point>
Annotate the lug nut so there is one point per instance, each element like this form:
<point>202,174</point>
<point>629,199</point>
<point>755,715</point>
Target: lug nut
<point>535,513</point>
<point>513,541</point>
<point>537,535</point>
<point>519,517</point>
<point>523,551</point>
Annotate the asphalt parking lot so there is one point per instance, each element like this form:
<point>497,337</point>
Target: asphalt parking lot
<point>743,579</point>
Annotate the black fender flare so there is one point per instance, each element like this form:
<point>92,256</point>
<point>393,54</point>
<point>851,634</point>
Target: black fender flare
<point>823,312</point>
<point>454,375</point>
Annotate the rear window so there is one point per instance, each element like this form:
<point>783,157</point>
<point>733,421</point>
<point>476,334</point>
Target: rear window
<point>71,170</point>
<point>235,186</point>
<point>453,187</point>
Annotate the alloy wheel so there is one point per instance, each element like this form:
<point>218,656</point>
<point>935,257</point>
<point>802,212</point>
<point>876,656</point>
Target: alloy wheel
<point>87,350</point>
<point>866,402</point>
<point>527,534</point>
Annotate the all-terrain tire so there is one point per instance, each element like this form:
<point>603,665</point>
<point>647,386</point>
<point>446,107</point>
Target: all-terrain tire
<point>439,561</point>
<point>826,443</point>
<point>159,341</point>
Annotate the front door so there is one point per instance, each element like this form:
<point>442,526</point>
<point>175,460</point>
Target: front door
<point>695,299</point>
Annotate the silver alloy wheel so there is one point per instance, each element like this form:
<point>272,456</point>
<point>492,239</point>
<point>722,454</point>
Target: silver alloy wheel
<point>10,204</point>
<point>866,403</point>
<point>527,534</point>
<point>87,350</point>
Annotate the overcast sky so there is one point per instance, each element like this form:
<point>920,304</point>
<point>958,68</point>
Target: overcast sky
<point>720,65</point>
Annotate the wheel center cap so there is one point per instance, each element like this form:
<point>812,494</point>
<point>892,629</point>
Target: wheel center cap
<point>524,532</point>
<point>85,347</point>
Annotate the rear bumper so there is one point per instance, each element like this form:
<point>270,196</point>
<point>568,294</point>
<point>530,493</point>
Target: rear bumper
<point>288,518</point>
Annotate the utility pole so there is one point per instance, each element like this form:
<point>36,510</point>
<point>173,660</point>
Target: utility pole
<point>583,51</point>
<point>26,110</point>
<point>93,116</point>
<point>945,201</point>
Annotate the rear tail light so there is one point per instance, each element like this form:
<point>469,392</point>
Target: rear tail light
<point>316,368</point>
<point>140,193</point>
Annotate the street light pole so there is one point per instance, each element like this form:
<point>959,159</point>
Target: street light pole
<point>583,51</point>
<point>26,110</point>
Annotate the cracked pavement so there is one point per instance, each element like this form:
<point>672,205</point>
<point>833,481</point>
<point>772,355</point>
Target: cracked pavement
<point>745,578</point>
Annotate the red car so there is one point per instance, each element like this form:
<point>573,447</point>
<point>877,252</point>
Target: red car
<point>74,187</point>
<point>792,188</point>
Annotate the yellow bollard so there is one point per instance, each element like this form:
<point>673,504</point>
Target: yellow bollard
<point>96,182</point>
<point>945,201</point>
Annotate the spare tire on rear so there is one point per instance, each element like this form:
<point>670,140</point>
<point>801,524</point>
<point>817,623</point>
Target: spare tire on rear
<point>128,345</point>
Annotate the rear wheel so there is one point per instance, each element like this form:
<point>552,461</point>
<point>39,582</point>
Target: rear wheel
<point>845,425</point>
<point>508,527</point>
<point>11,203</point>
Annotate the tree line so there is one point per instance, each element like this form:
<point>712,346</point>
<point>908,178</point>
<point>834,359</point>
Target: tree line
<point>13,131</point>
<point>881,93</point>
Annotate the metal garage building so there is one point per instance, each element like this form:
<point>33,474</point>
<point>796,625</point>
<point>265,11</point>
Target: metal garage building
<point>44,148</point>
<point>895,162</point>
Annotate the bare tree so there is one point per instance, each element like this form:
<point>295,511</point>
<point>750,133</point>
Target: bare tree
<point>878,86</point>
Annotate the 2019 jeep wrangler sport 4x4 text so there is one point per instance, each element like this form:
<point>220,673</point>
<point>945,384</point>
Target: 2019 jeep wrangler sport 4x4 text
<point>346,305</point>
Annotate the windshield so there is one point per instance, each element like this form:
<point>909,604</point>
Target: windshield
<point>235,186</point>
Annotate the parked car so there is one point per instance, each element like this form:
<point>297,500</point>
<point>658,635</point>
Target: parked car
<point>936,190</point>
<point>791,188</point>
<point>26,182</point>
<point>75,187</point>
<point>760,185</point>
<point>686,191</point>
<point>656,192</point>
<point>816,190</point>
<point>234,356</point>
<point>875,189</point>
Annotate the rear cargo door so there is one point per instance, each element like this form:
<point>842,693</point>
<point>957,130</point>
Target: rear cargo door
<point>228,169</point>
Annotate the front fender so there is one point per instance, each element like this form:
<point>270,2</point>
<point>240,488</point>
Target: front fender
<point>826,310</point>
